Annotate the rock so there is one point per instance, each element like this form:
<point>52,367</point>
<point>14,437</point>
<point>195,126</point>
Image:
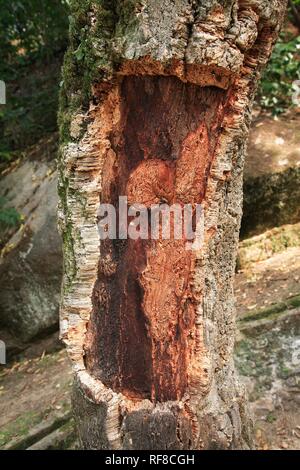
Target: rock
<point>267,352</point>
<point>31,261</point>
<point>264,405</point>
<point>263,246</point>
<point>272,175</point>
<point>267,357</point>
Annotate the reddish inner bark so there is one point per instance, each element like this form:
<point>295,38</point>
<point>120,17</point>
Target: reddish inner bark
<point>139,337</point>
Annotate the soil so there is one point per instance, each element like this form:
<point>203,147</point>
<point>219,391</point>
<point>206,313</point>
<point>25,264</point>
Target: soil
<point>31,389</point>
<point>274,145</point>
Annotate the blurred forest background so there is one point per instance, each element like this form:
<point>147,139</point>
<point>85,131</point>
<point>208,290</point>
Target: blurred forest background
<point>35,383</point>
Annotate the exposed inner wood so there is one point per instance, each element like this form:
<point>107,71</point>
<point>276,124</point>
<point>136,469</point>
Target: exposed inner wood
<point>140,335</point>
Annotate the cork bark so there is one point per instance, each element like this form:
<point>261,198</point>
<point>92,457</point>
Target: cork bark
<point>155,105</point>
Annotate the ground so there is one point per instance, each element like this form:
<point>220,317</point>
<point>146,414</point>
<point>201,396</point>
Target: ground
<point>273,145</point>
<point>34,398</point>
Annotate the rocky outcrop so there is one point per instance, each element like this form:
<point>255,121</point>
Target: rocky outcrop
<point>31,260</point>
<point>267,357</point>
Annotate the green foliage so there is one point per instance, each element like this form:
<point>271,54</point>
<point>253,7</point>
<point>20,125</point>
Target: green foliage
<point>33,38</point>
<point>9,216</point>
<point>276,89</point>
<point>31,29</point>
<point>31,108</point>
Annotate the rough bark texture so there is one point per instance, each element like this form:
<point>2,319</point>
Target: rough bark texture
<point>156,105</point>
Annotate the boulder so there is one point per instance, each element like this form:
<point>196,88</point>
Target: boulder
<point>31,260</point>
<point>272,175</point>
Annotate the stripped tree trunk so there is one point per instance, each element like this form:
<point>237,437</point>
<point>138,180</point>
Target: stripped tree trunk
<point>155,105</point>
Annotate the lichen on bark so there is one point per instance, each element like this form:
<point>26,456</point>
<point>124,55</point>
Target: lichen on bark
<point>128,66</point>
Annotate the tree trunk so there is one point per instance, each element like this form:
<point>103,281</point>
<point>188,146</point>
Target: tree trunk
<point>155,105</point>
